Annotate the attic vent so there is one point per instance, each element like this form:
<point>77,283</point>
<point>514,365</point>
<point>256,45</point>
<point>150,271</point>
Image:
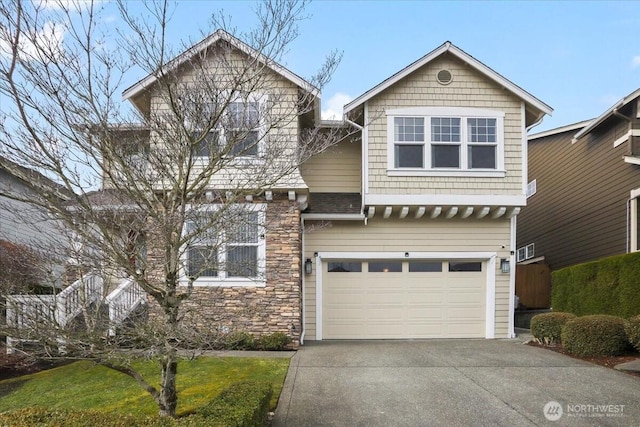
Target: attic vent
<point>444,77</point>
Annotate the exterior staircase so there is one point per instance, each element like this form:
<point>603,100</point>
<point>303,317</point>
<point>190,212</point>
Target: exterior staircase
<point>27,311</point>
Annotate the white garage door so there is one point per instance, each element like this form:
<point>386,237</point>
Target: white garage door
<point>403,299</point>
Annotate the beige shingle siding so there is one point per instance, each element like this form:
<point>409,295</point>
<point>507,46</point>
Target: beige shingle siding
<point>424,235</point>
<point>336,170</point>
<point>468,89</point>
<point>281,141</point>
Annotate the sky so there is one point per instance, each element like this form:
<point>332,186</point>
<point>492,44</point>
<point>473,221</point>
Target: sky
<point>577,57</point>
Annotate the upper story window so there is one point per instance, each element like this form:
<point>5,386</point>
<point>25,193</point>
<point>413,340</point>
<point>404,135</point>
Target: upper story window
<point>445,141</point>
<point>233,254</point>
<point>238,130</point>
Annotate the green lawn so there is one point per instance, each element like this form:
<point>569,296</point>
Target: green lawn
<point>83,385</point>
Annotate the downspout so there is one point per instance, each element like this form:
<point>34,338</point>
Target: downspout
<point>513,223</point>
<point>304,305</point>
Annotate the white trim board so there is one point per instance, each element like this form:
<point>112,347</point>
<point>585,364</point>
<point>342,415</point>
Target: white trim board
<point>489,257</point>
<point>445,199</point>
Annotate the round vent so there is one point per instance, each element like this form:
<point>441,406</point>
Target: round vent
<point>444,77</point>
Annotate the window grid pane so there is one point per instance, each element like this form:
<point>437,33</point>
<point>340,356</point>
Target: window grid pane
<point>409,129</point>
<point>445,129</point>
<point>202,261</point>
<point>344,267</point>
<point>385,266</point>
<point>481,130</point>
<point>242,261</point>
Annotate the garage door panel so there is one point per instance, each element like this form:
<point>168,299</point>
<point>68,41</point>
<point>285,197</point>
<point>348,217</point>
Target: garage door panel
<point>404,305</point>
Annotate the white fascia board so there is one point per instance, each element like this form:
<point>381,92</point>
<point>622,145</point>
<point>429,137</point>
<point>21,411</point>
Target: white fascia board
<point>206,43</point>
<point>462,55</point>
<point>444,199</point>
<point>562,129</point>
<point>333,217</point>
<point>604,116</point>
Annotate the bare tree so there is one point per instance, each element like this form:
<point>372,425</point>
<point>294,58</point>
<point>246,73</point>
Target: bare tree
<point>150,189</point>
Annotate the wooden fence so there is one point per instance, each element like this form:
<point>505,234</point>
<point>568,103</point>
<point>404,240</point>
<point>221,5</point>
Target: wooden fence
<point>533,285</point>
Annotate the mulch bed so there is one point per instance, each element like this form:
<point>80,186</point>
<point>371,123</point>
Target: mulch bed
<point>606,361</point>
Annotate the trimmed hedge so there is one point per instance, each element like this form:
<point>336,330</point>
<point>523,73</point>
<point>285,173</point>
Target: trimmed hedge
<point>607,286</point>
<point>243,404</point>
<point>632,328</point>
<point>546,328</point>
<point>240,341</point>
<point>596,335</point>
<point>37,417</point>
<point>275,341</point>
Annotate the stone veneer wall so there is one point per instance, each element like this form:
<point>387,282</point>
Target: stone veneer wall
<point>275,307</point>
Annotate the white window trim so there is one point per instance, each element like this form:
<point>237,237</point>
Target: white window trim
<point>525,252</point>
<point>532,188</point>
<point>453,112</point>
<point>490,291</point>
<point>262,130</point>
<point>222,280</point>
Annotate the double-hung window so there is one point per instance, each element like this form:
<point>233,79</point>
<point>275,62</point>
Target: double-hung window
<point>445,141</point>
<point>227,250</point>
<point>236,131</point>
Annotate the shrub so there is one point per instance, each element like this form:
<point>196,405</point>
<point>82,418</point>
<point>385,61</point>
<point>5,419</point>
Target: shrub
<point>240,341</point>
<point>607,286</point>
<point>275,341</point>
<point>243,404</point>
<point>32,417</point>
<point>546,328</point>
<point>596,335</point>
<point>632,328</point>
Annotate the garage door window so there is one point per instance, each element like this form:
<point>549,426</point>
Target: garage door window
<point>425,267</point>
<point>465,266</point>
<point>385,267</point>
<point>344,267</point>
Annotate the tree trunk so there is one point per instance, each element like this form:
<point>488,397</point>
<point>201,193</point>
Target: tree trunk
<point>168,400</point>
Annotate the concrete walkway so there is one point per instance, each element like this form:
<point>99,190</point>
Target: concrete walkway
<point>451,383</point>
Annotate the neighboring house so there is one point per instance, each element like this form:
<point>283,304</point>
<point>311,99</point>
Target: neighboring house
<point>27,224</point>
<point>403,229</point>
<point>584,189</point>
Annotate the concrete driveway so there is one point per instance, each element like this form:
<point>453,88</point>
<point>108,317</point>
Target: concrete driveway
<point>451,383</point>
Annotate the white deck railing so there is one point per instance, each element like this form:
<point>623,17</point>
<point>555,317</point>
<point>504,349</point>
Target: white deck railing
<point>80,294</point>
<point>30,311</point>
<point>122,301</point>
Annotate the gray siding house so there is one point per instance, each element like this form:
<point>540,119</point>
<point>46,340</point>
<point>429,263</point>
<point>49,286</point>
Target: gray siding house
<point>583,191</point>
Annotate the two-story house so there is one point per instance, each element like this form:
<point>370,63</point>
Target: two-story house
<point>411,227</point>
<point>405,228</point>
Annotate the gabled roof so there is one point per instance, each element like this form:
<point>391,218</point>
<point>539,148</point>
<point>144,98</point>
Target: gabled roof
<point>204,44</point>
<point>462,55</point>
<point>30,176</point>
<point>604,116</point>
<point>562,129</point>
